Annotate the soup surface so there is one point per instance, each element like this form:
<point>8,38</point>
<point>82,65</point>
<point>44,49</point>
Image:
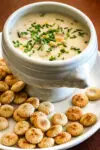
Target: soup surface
<point>49,36</point>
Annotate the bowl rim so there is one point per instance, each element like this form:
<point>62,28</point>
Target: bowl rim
<point>28,59</point>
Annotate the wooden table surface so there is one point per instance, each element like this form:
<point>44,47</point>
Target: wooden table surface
<point>90,8</point>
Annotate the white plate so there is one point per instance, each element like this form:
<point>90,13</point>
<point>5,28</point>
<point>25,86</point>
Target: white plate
<point>62,107</point>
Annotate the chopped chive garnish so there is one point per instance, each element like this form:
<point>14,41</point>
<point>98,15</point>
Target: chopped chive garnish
<point>28,46</point>
<point>69,29</point>
<point>60,20</point>
<point>52,58</point>
<point>49,49</point>
<point>46,25</point>
<point>59,54</point>
<point>73,37</point>
<point>64,44</point>
<point>74,48</point>
<point>33,24</point>
<point>23,33</point>
<point>17,44</point>
<point>18,34</point>
<point>60,29</point>
<point>65,27</point>
<point>26,50</point>
<point>67,35</point>
<point>68,32</point>
<point>81,34</point>
<point>78,51</point>
<point>42,14</point>
<point>39,48</point>
<point>77,30</point>
<point>62,50</point>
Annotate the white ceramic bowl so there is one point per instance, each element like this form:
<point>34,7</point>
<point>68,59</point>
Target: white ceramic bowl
<point>48,80</point>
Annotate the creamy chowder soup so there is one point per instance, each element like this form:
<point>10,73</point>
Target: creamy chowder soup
<point>49,36</point>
